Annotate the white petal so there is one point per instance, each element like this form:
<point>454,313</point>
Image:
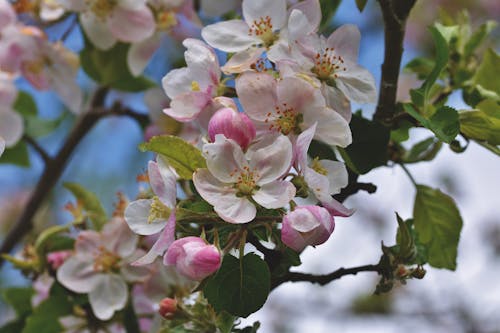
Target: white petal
<point>2,145</point>
<point>331,128</point>
<point>228,206</point>
<point>163,181</point>
<point>137,214</point>
<point>97,31</point>
<point>188,106</point>
<point>302,146</point>
<point>312,10</point>
<point>229,36</point>
<point>200,57</point>
<point>78,275</point>
<point>140,53</point>
<point>271,159</point>
<point>298,26</point>
<point>345,41</point>
<point>358,84</point>
<point>336,100</point>
<point>11,127</point>
<point>132,25</point>
<point>254,10</point>
<point>303,220</point>
<point>318,184</point>
<point>337,175</point>
<point>257,94</point>
<point>276,194</point>
<point>299,95</point>
<point>177,81</point>
<point>118,238</point>
<point>336,208</point>
<point>166,238</point>
<point>108,296</point>
<point>242,61</point>
<point>225,159</point>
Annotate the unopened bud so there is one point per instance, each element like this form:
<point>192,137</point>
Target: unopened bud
<point>168,308</point>
<point>233,125</point>
<point>56,259</point>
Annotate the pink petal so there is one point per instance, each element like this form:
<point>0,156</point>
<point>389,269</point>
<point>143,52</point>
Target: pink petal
<point>132,25</point>
<point>257,94</point>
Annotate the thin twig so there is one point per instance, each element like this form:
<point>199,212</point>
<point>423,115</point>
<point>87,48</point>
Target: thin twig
<point>324,279</point>
<point>39,149</point>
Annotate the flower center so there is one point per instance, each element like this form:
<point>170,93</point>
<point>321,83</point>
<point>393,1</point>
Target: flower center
<point>158,211</point>
<point>316,166</point>
<point>286,119</point>
<point>327,63</point>
<point>166,19</point>
<point>246,184</point>
<point>263,28</point>
<point>101,8</point>
<point>106,261</point>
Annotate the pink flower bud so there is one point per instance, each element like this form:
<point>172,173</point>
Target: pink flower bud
<point>234,125</point>
<point>193,257</point>
<point>306,225</point>
<point>56,259</point>
<point>168,307</point>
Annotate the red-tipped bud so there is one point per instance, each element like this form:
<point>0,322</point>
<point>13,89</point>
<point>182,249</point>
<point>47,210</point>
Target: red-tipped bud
<point>56,259</point>
<point>233,125</point>
<point>168,308</point>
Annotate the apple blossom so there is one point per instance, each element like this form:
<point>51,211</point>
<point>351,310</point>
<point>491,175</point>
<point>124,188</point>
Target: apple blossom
<point>290,106</point>
<point>233,125</point>
<point>107,21</point>
<point>101,267</point>
<point>233,179</point>
<point>156,215</point>
<point>306,225</point>
<point>11,123</point>
<point>193,258</point>
<point>323,177</point>
<point>192,88</point>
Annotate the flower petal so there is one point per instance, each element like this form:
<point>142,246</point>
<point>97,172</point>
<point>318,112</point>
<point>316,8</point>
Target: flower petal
<point>229,36</point>
<point>336,100</point>
<point>358,84</point>
<point>345,40</point>
<point>271,158</point>
<point>118,238</point>
<point>242,61</point>
<point>188,106</point>
<point>137,215</point>
<point>257,94</point>
<point>97,31</point>
<point>163,181</point>
<point>78,275</point>
<point>255,10</point>
<point>2,145</point>
<point>337,175</point>
<point>226,204</point>
<point>275,194</point>
<point>108,296</point>
<point>225,159</point>
<point>312,10</point>
<point>336,208</point>
<point>140,53</point>
<point>302,146</point>
<point>11,127</point>
<point>132,25</point>
<point>331,128</point>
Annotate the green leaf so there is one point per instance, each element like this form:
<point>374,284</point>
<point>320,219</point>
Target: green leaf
<point>405,241</point>
<point>361,4</point>
<point>25,104</point>
<point>444,122</point>
<point>477,125</point>
<point>478,37</point>
<point>91,204</point>
<point>37,127</point>
<point>182,156</point>
<point>45,236</point>
<point>491,107</point>
<point>487,74</point>
<point>401,134</point>
<point>239,287</point>
<point>424,150</point>
<point>420,96</point>
<point>321,150</point>
<point>225,322</point>
<point>110,68</point>
<point>438,224</point>
<point>19,298</point>
<point>14,326</point>
<point>17,155</point>
<point>328,9</point>
<point>420,66</point>
<point>130,320</point>
<point>45,318</point>
<point>369,145</point>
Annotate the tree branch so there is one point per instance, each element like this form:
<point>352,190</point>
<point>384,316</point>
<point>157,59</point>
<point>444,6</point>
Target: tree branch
<point>395,13</point>
<point>39,149</point>
<point>54,167</point>
<point>324,279</point>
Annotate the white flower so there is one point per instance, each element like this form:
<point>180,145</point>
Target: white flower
<point>11,123</point>
<point>233,178</point>
<point>101,265</point>
<point>152,216</point>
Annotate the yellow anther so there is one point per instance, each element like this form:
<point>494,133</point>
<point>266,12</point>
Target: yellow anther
<point>316,166</point>
<point>158,211</point>
<point>195,86</point>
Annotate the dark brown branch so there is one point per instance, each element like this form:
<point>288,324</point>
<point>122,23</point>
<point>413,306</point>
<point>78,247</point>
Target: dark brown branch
<point>354,188</point>
<point>395,13</point>
<point>324,279</point>
<point>39,149</point>
<point>54,167</point>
